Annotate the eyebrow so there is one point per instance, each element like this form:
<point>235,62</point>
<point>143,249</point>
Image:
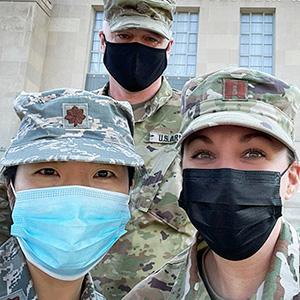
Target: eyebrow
<point>200,137</point>
<point>244,139</point>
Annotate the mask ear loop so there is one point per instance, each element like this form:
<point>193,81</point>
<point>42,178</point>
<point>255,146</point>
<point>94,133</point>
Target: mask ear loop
<point>13,189</point>
<point>282,174</point>
<point>12,203</point>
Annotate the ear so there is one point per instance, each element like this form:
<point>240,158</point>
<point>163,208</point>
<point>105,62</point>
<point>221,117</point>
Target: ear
<point>102,41</point>
<point>293,180</point>
<point>169,47</point>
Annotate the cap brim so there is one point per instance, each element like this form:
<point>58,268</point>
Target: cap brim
<point>242,119</point>
<point>141,22</point>
<point>71,149</point>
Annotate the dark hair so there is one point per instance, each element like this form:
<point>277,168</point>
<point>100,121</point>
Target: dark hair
<point>291,156</point>
<point>10,174</point>
<point>131,172</point>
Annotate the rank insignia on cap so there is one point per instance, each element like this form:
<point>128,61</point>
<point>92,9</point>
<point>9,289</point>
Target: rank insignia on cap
<point>75,116</point>
<point>235,89</point>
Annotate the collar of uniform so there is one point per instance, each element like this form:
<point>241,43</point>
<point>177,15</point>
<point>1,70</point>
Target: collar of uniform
<point>16,278</point>
<point>283,274</point>
<point>145,110</point>
<point>284,270</point>
<point>88,290</point>
<point>103,91</point>
<point>193,278</point>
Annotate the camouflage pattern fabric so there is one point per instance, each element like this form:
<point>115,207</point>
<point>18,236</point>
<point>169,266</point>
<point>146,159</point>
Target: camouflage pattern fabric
<point>5,213</point>
<point>153,15</point>
<point>180,279</point>
<point>159,228</point>
<point>72,125</point>
<point>242,97</point>
<point>15,279</point>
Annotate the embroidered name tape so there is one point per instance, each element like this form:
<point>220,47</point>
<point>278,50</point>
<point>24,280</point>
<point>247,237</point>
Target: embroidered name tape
<point>164,138</point>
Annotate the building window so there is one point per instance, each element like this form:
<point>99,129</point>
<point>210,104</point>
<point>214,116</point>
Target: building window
<point>182,63</point>
<point>96,67</point>
<point>256,41</point>
<point>184,53</point>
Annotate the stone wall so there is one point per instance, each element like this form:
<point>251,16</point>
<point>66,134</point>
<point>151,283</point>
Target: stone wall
<point>23,36</point>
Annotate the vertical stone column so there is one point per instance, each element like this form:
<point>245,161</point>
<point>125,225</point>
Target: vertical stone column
<point>23,36</point>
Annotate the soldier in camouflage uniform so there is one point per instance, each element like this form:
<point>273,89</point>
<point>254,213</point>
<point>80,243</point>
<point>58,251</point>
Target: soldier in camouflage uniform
<point>68,172</point>
<point>239,151</point>
<point>137,38</point>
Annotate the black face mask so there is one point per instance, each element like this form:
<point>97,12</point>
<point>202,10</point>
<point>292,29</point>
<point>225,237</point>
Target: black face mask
<point>234,210</point>
<point>133,65</point>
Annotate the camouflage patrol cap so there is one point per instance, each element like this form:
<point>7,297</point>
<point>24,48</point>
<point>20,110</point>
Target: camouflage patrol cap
<point>72,125</point>
<point>153,15</point>
<point>241,97</point>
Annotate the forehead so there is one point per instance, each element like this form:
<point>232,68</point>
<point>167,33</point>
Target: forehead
<point>139,32</point>
<point>230,131</point>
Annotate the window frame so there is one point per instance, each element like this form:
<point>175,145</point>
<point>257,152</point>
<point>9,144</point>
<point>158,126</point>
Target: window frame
<point>263,12</point>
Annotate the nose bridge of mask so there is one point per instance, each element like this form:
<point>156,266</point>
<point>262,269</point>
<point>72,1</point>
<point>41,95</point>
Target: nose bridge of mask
<point>224,185</point>
<point>74,197</point>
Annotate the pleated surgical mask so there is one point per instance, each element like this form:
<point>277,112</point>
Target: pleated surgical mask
<point>66,230</point>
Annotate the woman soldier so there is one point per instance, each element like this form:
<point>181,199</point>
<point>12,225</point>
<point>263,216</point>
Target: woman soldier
<point>239,165</point>
<point>68,172</point>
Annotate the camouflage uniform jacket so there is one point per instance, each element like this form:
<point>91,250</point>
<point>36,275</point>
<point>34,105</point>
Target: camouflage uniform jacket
<point>159,229</point>
<point>15,279</point>
<point>5,213</point>
<point>180,279</point>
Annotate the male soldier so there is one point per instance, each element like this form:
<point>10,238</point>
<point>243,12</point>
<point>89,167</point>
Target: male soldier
<point>136,40</point>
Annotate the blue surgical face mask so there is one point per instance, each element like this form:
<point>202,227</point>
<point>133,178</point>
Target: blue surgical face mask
<point>65,231</point>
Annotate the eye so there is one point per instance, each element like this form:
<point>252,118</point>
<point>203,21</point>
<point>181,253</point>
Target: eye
<point>152,39</point>
<point>203,155</point>
<point>253,154</point>
<point>122,36</point>
<point>104,174</point>
<point>47,172</point>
